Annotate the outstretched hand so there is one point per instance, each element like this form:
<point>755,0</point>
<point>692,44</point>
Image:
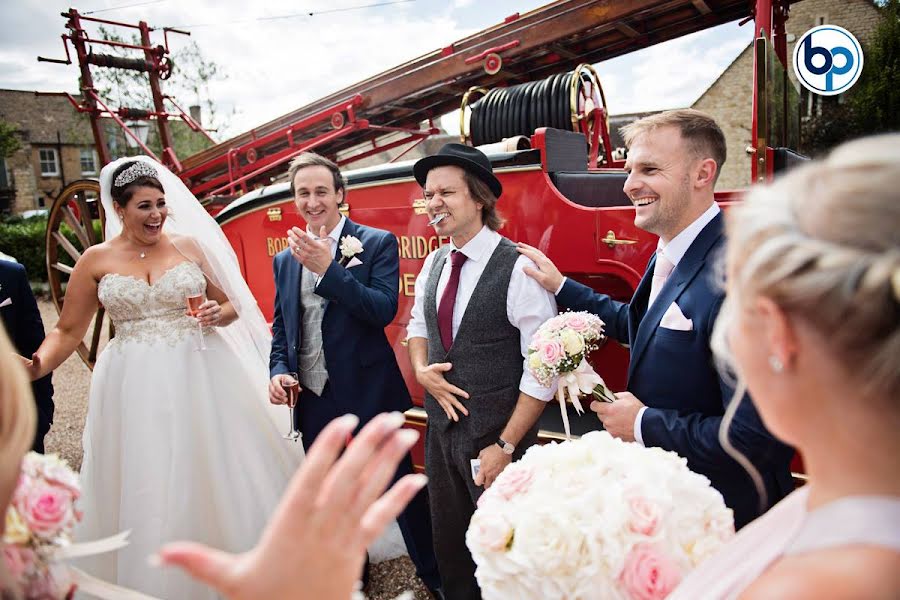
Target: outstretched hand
<point>314,546</point>
<point>546,273</point>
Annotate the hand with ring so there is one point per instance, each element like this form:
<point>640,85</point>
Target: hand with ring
<point>210,313</point>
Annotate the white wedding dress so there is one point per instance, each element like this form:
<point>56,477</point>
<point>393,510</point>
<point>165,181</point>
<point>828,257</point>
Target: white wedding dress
<point>178,443</point>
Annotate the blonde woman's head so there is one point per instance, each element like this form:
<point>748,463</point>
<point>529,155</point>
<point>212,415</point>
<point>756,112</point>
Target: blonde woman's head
<point>818,252</point>
<point>17,419</point>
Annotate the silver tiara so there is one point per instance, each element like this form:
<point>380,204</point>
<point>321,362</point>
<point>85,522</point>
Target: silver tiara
<point>138,169</point>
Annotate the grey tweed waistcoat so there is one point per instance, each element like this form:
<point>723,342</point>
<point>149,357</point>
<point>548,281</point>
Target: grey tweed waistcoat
<point>486,353</point>
<point>311,358</point>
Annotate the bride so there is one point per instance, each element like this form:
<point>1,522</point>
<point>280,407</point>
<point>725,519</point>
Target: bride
<point>179,441</point>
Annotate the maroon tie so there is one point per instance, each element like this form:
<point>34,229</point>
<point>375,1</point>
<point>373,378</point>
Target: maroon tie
<point>448,299</point>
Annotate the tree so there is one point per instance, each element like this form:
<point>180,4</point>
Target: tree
<point>9,140</point>
<point>873,104</point>
<point>189,85</point>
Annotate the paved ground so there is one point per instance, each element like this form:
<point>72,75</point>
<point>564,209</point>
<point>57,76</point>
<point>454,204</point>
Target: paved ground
<point>393,574</point>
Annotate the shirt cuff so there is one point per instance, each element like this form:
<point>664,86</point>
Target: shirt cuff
<point>559,289</point>
<point>416,329</point>
<point>529,385</point>
<point>637,426</point>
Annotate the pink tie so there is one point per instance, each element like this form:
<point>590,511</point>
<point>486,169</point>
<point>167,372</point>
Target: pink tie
<point>448,299</point>
<point>661,271</point>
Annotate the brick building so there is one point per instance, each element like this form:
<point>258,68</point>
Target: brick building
<point>729,98</point>
<point>57,148</point>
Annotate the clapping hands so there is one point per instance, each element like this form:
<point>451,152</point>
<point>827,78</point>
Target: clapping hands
<point>315,543</point>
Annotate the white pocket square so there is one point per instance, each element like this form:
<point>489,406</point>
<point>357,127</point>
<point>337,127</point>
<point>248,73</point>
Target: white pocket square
<point>354,262</point>
<point>675,319</point>
<point>7,302</point>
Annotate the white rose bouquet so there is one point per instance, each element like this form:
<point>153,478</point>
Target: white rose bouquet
<point>559,349</point>
<point>594,518</point>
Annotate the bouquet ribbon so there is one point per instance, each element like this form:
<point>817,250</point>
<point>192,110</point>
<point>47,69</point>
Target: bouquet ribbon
<point>93,585</point>
<point>573,384</point>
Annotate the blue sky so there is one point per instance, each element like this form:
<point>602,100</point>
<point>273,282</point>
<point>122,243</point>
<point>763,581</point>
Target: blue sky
<point>275,65</point>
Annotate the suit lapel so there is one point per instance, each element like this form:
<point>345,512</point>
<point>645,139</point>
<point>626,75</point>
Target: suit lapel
<point>293,270</point>
<point>688,267</point>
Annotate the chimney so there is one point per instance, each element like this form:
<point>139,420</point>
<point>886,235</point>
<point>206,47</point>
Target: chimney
<point>196,114</point>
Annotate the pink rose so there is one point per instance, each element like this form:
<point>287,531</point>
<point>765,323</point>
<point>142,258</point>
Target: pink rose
<point>648,574</point>
<point>577,322</point>
<point>47,509</point>
<point>514,480</point>
<point>644,515</point>
<point>18,559</point>
<point>551,352</point>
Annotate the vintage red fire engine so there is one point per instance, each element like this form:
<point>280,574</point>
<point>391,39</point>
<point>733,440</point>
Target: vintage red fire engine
<point>527,81</point>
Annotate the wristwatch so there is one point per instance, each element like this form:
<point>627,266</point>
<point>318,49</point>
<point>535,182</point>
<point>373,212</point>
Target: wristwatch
<point>505,446</point>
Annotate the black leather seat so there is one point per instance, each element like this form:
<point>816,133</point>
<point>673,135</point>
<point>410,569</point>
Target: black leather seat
<point>592,189</point>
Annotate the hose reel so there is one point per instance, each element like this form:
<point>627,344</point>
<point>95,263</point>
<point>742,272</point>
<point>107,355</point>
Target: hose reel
<point>572,101</point>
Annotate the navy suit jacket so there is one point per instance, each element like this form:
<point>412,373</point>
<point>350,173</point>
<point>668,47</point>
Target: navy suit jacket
<point>360,302</point>
<point>23,323</point>
<point>673,373</point>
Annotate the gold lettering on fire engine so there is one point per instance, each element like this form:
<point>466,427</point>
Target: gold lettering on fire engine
<point>419,246</point>
<point>275,245</point>
<point>408,284</point>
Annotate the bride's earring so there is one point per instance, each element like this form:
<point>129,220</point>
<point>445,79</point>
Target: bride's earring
<point>775,364</point>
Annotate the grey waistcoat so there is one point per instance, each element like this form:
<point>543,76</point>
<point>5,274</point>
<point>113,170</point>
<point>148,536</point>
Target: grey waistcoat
<point>486,354</point>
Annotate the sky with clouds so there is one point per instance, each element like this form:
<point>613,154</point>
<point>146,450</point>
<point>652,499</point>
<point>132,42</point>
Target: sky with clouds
<point>278,58</point>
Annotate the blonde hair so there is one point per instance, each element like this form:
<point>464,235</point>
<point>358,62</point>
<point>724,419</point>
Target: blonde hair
<point>17,413</point>
<point>701,133</point>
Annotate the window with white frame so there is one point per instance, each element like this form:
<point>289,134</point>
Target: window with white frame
<point>88,161</point>
<point>49,162</point>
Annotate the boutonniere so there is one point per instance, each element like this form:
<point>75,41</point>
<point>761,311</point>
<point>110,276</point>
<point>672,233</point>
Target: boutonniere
<point>350,247</point>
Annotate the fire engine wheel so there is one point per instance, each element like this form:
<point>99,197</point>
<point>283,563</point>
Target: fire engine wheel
<point>70,231</point>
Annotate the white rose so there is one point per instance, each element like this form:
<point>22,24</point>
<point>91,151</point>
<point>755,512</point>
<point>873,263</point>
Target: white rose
<point>350,246</point>
<point>573,342</point>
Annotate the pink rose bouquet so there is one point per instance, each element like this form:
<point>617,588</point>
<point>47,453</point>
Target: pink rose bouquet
<point>38,522</point>
<point>594,518</point>
<point>558,352</point>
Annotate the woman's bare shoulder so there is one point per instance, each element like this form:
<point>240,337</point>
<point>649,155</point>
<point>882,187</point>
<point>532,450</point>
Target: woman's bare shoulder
<point>850,572</point>
<point>187,246</point>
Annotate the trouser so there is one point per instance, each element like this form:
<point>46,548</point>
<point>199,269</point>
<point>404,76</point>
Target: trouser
<point>448,452</point>
<point>311,416</point>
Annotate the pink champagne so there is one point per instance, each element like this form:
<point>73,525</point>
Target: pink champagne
<point>193,304</point>
<point>292,387</point>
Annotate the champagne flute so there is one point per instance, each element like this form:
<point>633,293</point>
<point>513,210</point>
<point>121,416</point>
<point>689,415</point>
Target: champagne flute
<point>290,383</point>
<point>194,299</point>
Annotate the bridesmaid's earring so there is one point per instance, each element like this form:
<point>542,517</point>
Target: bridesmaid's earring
<point>776,365</point>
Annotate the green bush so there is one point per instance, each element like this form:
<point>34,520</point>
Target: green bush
<point>23,239</point>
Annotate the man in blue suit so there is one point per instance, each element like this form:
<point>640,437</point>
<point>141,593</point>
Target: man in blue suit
<point>336,290</point>
<point>675,397</point>
<point>23,323</point>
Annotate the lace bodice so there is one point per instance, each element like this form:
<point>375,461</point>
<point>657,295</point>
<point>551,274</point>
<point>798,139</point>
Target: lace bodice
<point>151,313</point>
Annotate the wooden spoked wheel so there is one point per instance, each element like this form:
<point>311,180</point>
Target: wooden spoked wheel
<point>70,231</point>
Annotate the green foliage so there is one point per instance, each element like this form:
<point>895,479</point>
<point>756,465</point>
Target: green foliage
<point>9,141</point>
<point>23,239</point>
<point>873,104</point>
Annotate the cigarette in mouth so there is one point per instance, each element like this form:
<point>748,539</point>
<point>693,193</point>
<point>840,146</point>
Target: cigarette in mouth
<point>437,219</point>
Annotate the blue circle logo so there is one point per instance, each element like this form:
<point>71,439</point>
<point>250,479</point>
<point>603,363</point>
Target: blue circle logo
<point>828,60</point>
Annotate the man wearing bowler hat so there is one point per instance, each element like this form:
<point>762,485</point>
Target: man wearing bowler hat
<point>474,314</point>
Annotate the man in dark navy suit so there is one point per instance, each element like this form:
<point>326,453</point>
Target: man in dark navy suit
<point>336,290</point>
<point>22,321</point>
<point>675,397</point>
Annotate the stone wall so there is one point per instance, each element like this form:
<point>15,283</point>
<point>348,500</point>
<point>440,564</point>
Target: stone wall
<point>730,98</point>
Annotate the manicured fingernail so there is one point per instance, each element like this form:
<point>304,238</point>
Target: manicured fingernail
<point>419,480</point>
<point>408,437</point>
<point>155,561</point>
<point>394,420</point>
<point>349,421</point>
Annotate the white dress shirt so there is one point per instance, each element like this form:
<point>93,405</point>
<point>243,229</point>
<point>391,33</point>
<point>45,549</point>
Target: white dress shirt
<point>528,305</point>
<point>675,251</point>
<point>334,238</point>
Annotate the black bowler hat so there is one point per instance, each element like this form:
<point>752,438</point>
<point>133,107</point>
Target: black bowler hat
<point>465,157</point>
